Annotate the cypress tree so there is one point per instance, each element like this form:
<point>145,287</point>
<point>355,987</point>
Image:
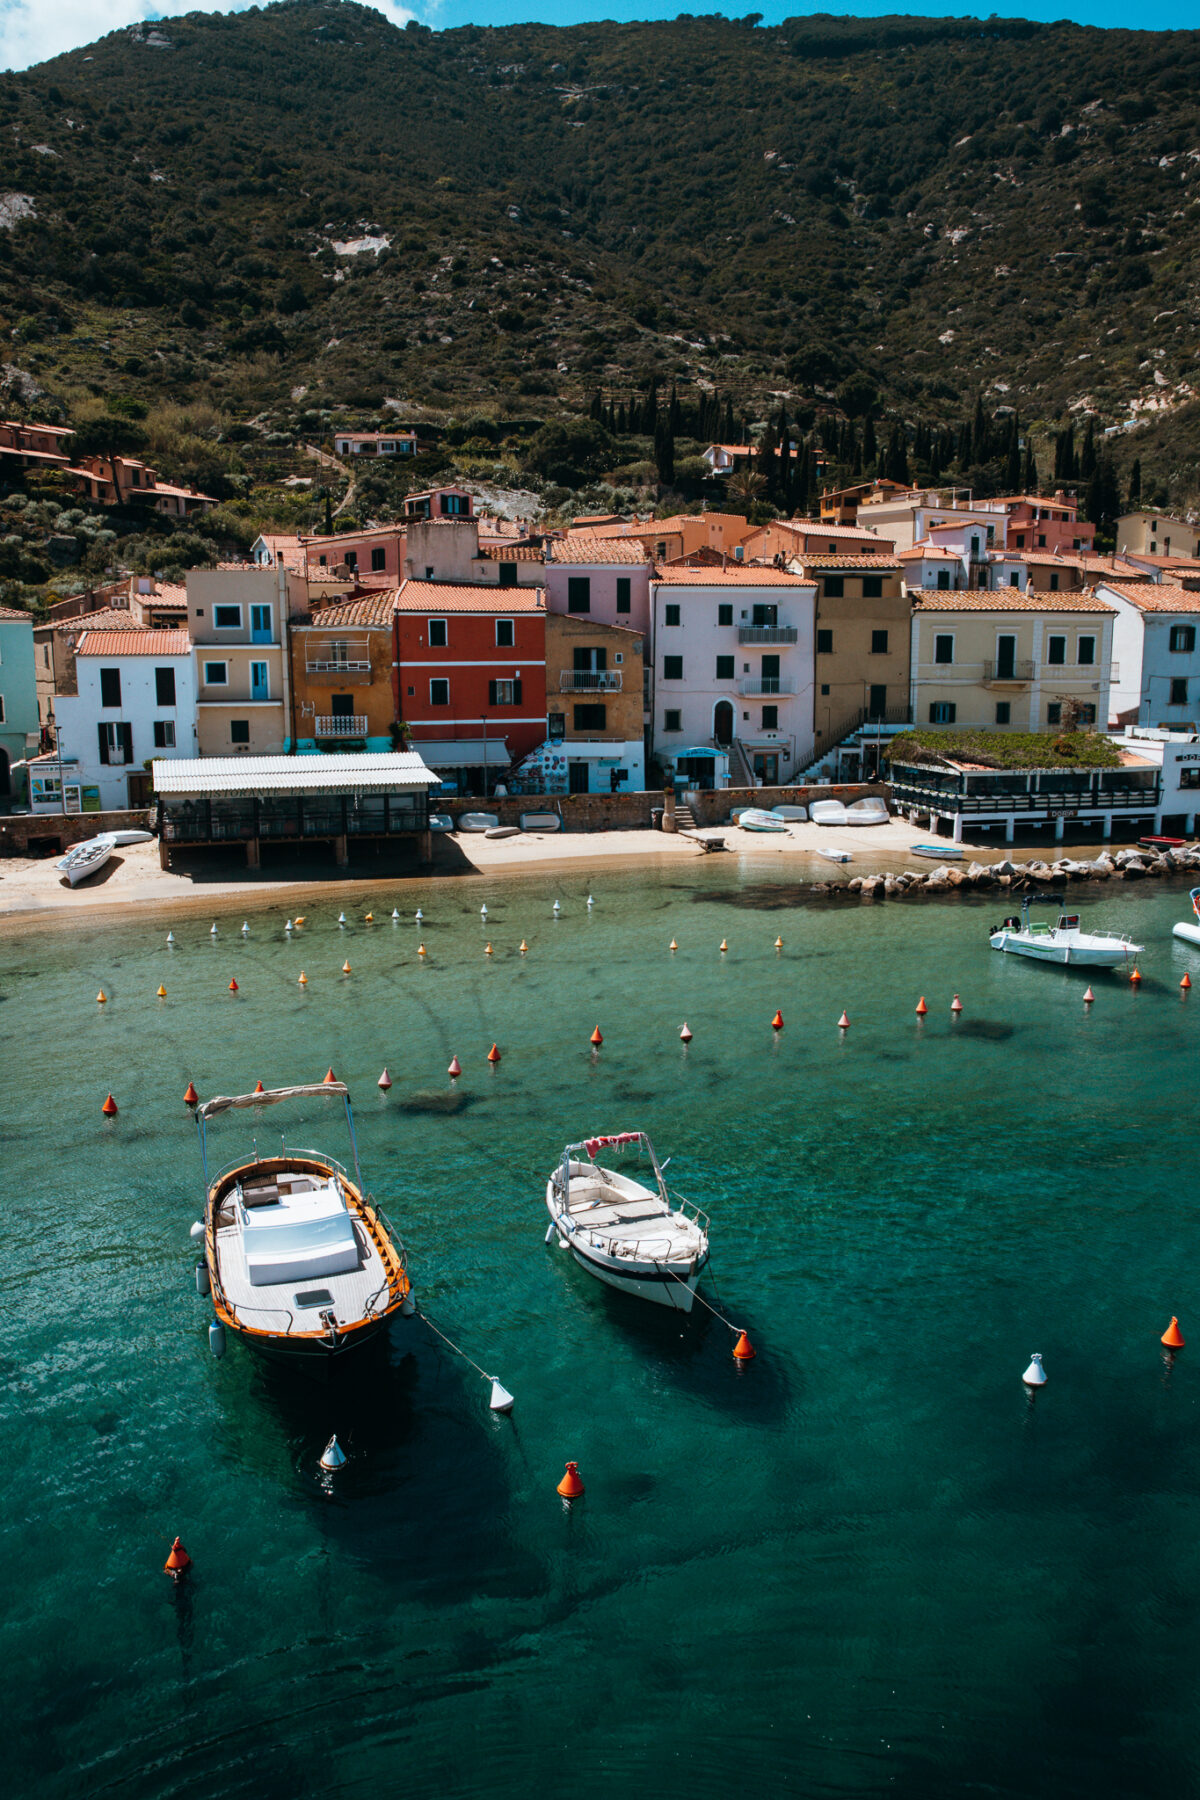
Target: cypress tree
<point>981,434</point>
<point>596,410</point>
<point>1103,495</point>
<point>622,419</point>
<point>1012,470</point>
<point>1135,484</point>
<point>730,429</point>
<point>674,413</point>
<point>870,449</point>
<point>1087,456</point>
<point>1029,480</point>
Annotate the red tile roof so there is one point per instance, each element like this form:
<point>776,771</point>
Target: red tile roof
<point>511,553</point>
<point>14,612</point>
<point>736,575</point>
<point>1008,599</point>
<point>463,597</point>
<point>1156,596</point>
<point>367,611</point>
<point>816,559</point>
<point>137,643</point>
<point>585,547</point>
<point>108,618</point>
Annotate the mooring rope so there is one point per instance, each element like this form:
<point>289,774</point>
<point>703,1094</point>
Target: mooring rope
<point>457,1348</point>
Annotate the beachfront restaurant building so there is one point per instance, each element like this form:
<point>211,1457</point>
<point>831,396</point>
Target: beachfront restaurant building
<point>370,798</point>
<point>954,798</point>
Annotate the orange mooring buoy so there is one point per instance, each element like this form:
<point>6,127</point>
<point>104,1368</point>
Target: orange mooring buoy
<point>922,1009</point>
<point>685,1036</point>
<point>596,1039</point>
<point>329,1076</point>
<point>303,981</point>
<point>455,1068</point>
<point>162,992</point>
<point>494,1054</point>
<point>233,987</point>
<point>109,1109</point>
<point>487,949</point>
<point>1088,998</point>
<point>1172,1337</point>
<point>191,1098</point>
<point>178,1561</point>
<point>1136,978</point>
<point>777,1021</point>
<point>420,949</point>
<point>1186,983</point>
<point>724,945</point>
<point>102,998</point>
<point>385,1081</point>
<point>259,1088</point>
<point>844,1022</point>
<point>956,1005</point>
<point>672,945</point>
<point>571,1485</point>
<point>779,943</point>
<point>744,1350</point>
<point>346,967</point>
<point>524,947</point>
<point>370,919</point>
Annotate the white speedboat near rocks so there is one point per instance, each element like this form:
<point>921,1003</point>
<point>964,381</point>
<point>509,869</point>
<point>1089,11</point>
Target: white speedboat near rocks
<point>1189,929</point>
<point>1063,942</point>
<point>627,1234</point>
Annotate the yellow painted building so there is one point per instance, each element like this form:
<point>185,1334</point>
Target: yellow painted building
<point>1003,659</point>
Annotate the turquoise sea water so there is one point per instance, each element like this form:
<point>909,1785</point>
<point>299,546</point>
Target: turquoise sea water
<point>866,1563</point>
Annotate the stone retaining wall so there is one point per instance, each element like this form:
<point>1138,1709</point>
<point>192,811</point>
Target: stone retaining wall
<point>29,834</point>
<point>631,812</point>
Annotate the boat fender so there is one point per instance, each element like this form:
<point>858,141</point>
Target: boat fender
<point>196,1230</point>
<point>203,1280</point>
<point>216,1339</point>
<point>408,1305</point>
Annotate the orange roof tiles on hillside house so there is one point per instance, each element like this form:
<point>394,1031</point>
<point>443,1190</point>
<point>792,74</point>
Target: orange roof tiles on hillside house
<point>109,618</point>
<point>876,565</point>
<point>1071,559</point>
<point>463,597</point>
<point>134,643</point>
<point>368,610</point>
<point>1007,599</point>
<point>511,553</point>
<point>583,547</point>
<point>847,534</point>
<point>1156,596</point>
<point>924,551</point>
<point>736,575</point>
<point>14,612</point>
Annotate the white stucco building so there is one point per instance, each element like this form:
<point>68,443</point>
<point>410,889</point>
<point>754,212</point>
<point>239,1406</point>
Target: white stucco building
<point>733,670</point>
<point>1156,654</point>
<point>134,701</point>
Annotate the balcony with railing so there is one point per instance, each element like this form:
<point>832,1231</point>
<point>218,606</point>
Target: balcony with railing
<point>340,725</point>
<point>338,656</point>
<point>589,681</point>
<point>777,686</point>
<point>1007,672</point>
<point>767,634</point>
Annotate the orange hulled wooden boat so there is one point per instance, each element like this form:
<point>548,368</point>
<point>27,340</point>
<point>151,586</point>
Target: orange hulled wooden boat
<point>301,1262</point>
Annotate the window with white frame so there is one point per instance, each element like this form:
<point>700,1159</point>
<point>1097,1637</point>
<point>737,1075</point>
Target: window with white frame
<point>943,647</point>
<point>505,634</point>
<point>439,691</point>
<point>227,618</point>
<point>437,634</point>
<point>164,734</point>
<point>216,674</point>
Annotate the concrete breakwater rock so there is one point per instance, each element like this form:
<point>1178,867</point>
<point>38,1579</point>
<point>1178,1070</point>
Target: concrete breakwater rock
<point>946,878</point>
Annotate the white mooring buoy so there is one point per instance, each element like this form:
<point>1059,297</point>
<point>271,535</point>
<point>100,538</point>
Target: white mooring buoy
<point>333,1456</point>
<point>341,918</point>
<point>501,1400</point>
<point>590,902</point>
<point>289,926</point>
<point>395,912</point>
<point>483,910</point>
<point>170,937</point>
<point>245,928</point>
<point>1035,1375</point>
<point>212,930</point>
<point>418,915</point>
<point>557,907</point>
<point>216,1338</point>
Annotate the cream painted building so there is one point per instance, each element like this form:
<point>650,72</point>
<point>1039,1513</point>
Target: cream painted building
<point>1008,659</point>
<point>237,621</point>
<point>1154,534</point>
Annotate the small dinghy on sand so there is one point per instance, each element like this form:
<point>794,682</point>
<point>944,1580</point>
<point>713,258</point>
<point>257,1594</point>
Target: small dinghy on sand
<point>630,1236</point>
<point>86,859</point>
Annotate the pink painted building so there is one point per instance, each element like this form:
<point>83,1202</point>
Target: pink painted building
<point>1037,523</point>
<point>604,579</point>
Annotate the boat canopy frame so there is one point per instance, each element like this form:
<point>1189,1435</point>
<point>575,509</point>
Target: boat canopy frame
<point>272,1097</point>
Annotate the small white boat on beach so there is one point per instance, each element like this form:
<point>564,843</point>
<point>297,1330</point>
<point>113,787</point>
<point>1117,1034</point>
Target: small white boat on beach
<point>837,856</point>
<point>937,852</point>
<point>541,821</point>
<point>478,821</point>
<point>631,1236</point>
<point>87,859</point>
<point>795,815</point>
<point>870,810</point>
<point>827,812</point>
<point>756,818</point>
<point>1061,943</point>
<point>1189,929</point>
<point>121,838</point>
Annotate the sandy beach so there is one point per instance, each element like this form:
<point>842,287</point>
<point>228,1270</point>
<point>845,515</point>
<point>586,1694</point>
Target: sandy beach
<point>35,888</point>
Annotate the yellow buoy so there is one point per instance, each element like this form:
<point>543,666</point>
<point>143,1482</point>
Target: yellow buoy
<point>162,992</point>
<point>345,968</point>
<point>101,998</point>
<point>303,982</point>
<point>298,920</point>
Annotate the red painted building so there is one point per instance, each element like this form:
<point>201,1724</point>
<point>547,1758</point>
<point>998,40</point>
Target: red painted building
<point>470,677</point>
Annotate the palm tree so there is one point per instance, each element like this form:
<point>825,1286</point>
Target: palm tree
<point>746,486</point>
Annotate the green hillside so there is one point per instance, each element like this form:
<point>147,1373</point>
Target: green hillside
<point>918,210</point>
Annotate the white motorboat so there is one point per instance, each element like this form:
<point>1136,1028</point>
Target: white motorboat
<point>630,1236</point>
<point>1061,943</point>
<point>1188,929</point>
<point>756,818</point>
<point>86,859</point>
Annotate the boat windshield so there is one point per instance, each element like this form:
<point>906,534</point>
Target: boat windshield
<point>1069,922</point>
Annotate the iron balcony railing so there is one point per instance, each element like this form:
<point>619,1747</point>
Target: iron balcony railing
<point>589,681</point>
<point>1007,670</point>
<point>337,665</point>
<point>341,725</point>
<point>778,685</point>
<point>767,634</point>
